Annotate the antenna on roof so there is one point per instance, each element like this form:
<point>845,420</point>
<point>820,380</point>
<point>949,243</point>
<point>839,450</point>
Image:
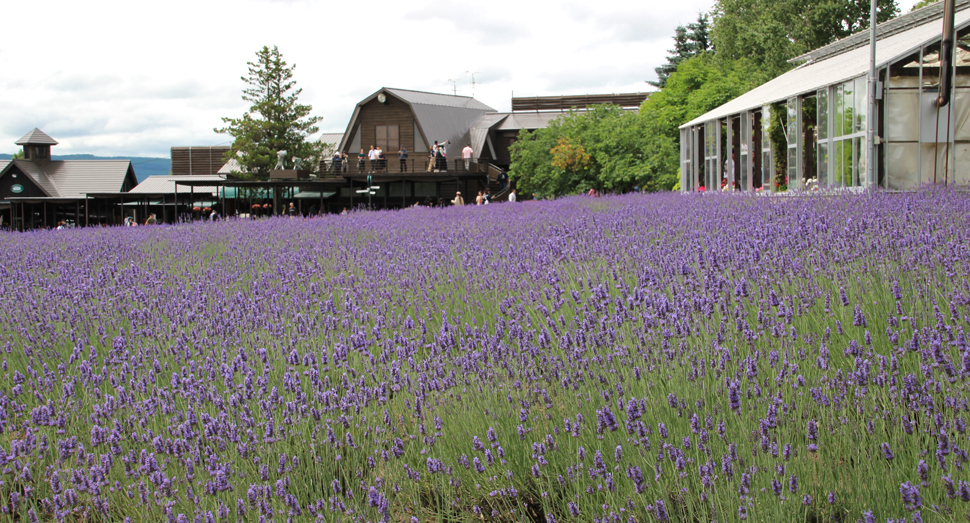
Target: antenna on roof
<point>473,73</point>
<point>454,86</point>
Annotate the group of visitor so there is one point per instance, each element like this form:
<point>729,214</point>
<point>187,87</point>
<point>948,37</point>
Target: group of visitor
<point>375,160</point>
<point>483,198</point>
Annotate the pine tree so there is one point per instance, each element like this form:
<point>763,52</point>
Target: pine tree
<point>688,41</point>
<point>275,121</point>
<point>680,51</point>
<point>700,35</point>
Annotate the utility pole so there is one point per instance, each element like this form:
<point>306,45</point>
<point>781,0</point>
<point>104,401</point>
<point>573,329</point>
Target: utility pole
<point>871,113</point>
<point>473,73</point>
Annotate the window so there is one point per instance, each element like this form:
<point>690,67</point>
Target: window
<point>388,138</point>
<point>425,189</point>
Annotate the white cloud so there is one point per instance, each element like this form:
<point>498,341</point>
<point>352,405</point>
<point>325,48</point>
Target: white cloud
<point>130,78</point>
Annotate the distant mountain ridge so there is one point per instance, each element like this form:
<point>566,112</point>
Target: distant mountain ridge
<point>144,166</point>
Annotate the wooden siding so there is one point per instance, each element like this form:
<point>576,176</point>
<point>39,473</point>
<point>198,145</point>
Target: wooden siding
<point>198,160</point>
<point>394,112</point>
<point>565,103</point>
<point>30,188</point>
<point>502,140</point>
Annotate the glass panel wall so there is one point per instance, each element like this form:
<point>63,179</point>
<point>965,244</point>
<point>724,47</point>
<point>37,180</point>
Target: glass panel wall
<point>791,134</point>
<point>767,167</point>
<point>918,150</point>
<point>745,182</point>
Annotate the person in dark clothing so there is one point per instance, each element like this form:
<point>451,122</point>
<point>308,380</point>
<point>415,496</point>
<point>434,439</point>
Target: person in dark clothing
<point>403,155</point>
<point>335,163</point>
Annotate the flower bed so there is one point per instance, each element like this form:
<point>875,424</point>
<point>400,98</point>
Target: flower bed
<point>639,358</point>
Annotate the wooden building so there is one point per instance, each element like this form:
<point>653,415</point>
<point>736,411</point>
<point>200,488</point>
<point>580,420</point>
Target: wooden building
<point>198,160</point>
<point>38,192</point>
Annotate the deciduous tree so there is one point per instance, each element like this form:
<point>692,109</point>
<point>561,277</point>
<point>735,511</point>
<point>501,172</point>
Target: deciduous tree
<point>771,32</point>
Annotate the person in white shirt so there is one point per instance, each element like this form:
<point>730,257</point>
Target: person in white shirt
<point>466,154</point>
<point>512,196</point>
<point>372,157</point>
<point>443,155</point>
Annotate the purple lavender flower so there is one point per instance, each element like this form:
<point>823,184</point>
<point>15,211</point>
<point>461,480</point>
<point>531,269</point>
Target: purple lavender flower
<point>887,452</point>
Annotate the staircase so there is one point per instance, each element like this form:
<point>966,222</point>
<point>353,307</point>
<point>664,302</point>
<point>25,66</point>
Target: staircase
<point>499,192</point>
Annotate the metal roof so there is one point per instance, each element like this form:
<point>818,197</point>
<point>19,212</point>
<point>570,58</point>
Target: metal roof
<point>38,176</point>
<point>833,70</point>
<point>36,137</point>
<point>232,166</point>
<point>479,131</point>
<point>451,124</point>
<point>531,121</point>
<point>165,184</point>
<point>425,98</point>
<point>75,178</point>
<point>79,177</point>
<point>331,138</point>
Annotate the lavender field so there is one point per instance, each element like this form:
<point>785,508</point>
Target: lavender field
<point>629,359</point>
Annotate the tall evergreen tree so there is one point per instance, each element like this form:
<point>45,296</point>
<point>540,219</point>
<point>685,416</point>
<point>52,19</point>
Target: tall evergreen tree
<point>275,121</point>
<point>699,33</point>
<point>688,41</point>
<point>680,51</point>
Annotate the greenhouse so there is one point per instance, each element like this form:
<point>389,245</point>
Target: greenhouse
<point>817,116</point>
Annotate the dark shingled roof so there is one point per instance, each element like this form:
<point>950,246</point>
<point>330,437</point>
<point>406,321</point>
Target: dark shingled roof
<point>75,178</point>
<point>36,137</point>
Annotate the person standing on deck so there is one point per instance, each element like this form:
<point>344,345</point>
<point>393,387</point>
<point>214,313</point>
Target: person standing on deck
<point>512,196</point>
<point>372,159</point>
<point>466,154</point>
<point>403,155</point>
<point>432,163</point>
<point>360,160</point>
<point>443,156</point>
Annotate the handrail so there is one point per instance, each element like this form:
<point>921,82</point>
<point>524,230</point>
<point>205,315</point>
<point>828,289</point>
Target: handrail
<point>493,176</point>
<point>420,165</point>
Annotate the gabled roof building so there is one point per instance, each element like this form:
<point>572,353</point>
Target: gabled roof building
<point>822,104</point>
<point>390,118</point>
<point>44,188</point>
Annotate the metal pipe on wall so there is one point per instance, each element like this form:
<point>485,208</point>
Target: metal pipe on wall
<point>946,53</point>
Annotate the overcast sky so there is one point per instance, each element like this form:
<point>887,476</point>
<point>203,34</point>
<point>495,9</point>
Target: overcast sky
<point>136,78</point>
